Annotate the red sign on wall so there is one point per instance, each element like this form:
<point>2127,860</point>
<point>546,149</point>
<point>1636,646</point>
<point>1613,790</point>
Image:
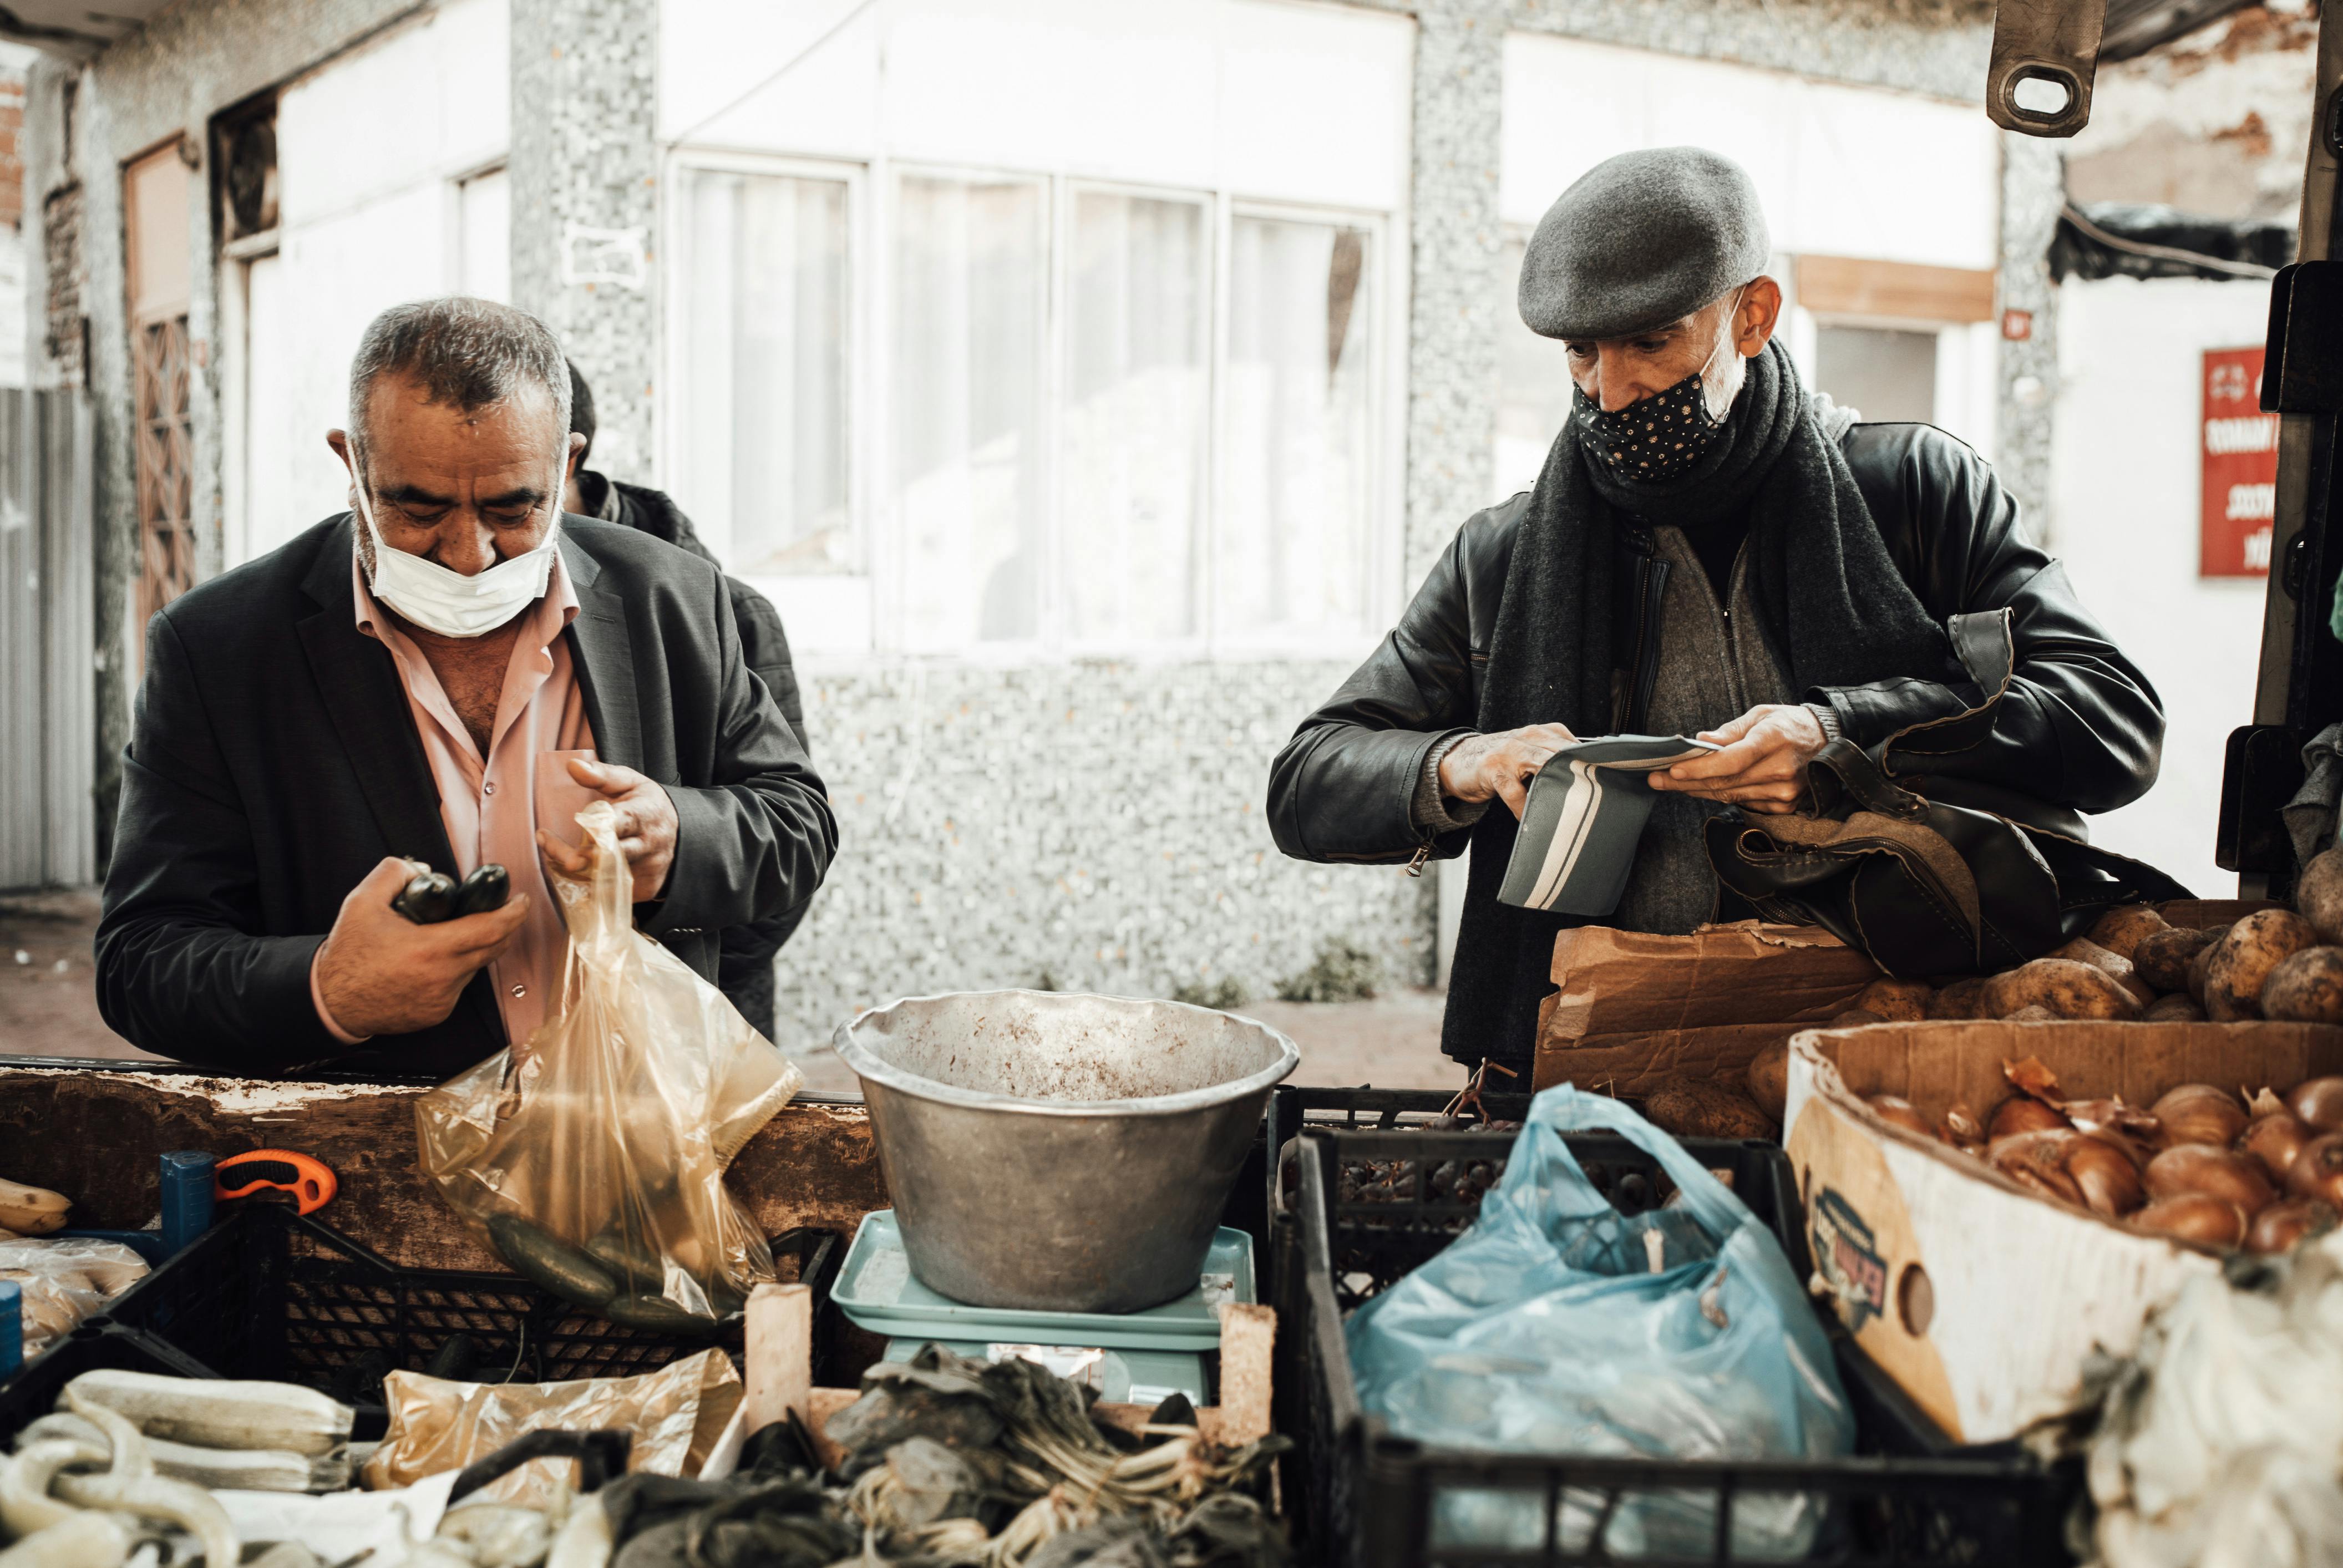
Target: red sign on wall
<point>2239,445</point>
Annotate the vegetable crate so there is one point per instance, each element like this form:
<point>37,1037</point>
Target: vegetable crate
<point>1369,1206</point>
<point>268,1293</point>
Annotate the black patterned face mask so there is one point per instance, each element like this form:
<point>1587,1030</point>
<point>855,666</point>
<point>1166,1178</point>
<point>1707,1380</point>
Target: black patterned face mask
<point>1654,440</point>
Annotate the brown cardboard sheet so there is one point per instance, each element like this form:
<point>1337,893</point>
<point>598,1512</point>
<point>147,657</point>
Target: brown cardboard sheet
<point>1635,1010</point>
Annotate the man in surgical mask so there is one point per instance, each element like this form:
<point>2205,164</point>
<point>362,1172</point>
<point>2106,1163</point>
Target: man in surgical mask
<point>449,673</point>
<point>1710,551</point>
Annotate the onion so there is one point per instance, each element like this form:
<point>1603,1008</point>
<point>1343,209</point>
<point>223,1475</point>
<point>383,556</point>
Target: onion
<point>2278,1227</point>
<point>2194,1217</point>
<point>1899,1112</point>
<point>2220,1173</point>
<point>2320,1101</point>
<point>1961,1130</point>
<point>2318,1170</point>
<point>2276,1140</point>
<point>2198,1113</point>
<point>2107,1173</point>
<point>2038,1162</point>
<point>2022,1113</point>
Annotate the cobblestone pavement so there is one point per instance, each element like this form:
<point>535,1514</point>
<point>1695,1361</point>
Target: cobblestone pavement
<point>47,1008</point>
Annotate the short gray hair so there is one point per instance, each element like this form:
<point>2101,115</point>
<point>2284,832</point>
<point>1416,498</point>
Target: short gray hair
<point>466,352</point>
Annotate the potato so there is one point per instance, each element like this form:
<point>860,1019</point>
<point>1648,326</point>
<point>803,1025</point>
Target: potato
<point>1703,1108</point>
<point>2162,959</point>
<point>1896,1001</point>
<point>2306,987</point>
<point>2121,931</point>
<point>1959,1000</point>
<point>2033,1012</point>
<point>1769,1078</point>
<point>2319,895</point>
<point>2203,961</point>
<point>2242,961</point>
<point>2178,1008</point>
<point>1855,1018</point>
<point>2084,950</point>
<point>2068,989</point>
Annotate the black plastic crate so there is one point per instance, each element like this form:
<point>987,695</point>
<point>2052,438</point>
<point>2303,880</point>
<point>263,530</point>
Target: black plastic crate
<point>269,1293</point>
<point>1369,1499</point>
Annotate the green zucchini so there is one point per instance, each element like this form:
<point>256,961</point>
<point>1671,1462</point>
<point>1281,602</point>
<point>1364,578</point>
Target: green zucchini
<point>629,1260</point>
<point>550,1262</point>
<point>657,1314</point>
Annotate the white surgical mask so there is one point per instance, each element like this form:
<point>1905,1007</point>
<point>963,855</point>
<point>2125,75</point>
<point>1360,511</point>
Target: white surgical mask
<point>448,602</point>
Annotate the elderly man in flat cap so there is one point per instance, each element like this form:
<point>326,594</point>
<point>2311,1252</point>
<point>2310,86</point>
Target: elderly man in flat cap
<point>1711,550</point>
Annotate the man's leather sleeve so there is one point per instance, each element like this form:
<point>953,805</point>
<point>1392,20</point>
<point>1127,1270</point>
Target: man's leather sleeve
<point>1342,789</point>
<point>2081,726</point>
<point>759,838</point>
<point>177,972</point>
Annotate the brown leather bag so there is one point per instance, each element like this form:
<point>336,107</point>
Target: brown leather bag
<point>1930,874</point>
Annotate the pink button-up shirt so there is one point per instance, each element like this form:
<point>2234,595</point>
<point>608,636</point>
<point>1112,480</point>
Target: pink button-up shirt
<point>491,806</point>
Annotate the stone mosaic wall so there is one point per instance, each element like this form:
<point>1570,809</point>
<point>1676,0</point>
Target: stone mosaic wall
<point>584,171</point>
<point>2033,189</point>
<point>1089,826</point>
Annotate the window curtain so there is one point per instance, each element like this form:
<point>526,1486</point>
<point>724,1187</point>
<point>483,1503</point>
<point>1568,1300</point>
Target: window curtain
<point>1133,431</point>
<point>1296,489</point>
<point>766,374</point>
<point>970,275</point>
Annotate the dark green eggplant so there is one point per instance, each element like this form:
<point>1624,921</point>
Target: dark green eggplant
<point>485,888</point>
<point>427,899</point>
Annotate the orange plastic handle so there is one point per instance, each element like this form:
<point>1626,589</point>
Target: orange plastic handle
<point>311,1184</point>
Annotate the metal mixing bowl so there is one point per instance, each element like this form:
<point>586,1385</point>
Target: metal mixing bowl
<point>1069,1153</point>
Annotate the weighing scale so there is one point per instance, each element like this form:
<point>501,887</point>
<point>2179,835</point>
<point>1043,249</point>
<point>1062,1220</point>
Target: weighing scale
<point>1135,1357</point>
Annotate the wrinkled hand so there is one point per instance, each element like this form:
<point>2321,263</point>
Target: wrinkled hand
<point>646,827</point>
<point>1501,765</point>
<point>1763,765</point>
<point>381,973</point>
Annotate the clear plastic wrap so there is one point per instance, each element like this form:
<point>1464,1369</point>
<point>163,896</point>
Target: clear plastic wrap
<point>676,1415</point>
<point>64,1280</point>
<point>1557,1325</point>
<point>592,1158</point>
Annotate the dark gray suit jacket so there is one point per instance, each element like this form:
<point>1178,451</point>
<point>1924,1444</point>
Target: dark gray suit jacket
<point>273,761</point>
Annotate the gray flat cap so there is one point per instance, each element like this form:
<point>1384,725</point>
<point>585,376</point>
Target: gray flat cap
<point>1641,240</point>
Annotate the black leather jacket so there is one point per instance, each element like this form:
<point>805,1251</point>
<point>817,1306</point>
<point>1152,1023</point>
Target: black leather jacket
<point>2081,727</point>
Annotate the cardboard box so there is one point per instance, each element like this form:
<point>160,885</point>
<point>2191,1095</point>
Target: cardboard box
<point>1635,1010</point>
<point>1982,1299</point>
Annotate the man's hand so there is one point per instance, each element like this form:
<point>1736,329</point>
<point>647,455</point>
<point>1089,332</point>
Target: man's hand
<point>1763,765</point>
<point>1481,765</point>
<point>381,973</point>
<point>646,827</point>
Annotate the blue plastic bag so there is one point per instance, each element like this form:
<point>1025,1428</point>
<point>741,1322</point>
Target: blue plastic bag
<point>1556,1325</point>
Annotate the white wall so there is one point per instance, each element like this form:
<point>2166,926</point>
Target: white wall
<point>371,149</point>
<point>2124,478</point>
<point>1273,100</point>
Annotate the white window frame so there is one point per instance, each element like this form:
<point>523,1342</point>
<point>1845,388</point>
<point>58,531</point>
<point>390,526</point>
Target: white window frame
<point>865,613</point>
<point>827,612</point>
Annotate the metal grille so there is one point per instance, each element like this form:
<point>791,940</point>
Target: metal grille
<point>166,565</point>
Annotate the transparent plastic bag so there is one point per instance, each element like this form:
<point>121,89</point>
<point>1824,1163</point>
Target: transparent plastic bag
<point>592,1159</point>
<point>675,1415</point>
<point>64,1280</point>
<point>1557,1325</point>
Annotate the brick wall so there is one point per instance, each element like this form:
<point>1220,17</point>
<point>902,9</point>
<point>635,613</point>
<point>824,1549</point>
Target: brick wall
<point>11,151</point>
